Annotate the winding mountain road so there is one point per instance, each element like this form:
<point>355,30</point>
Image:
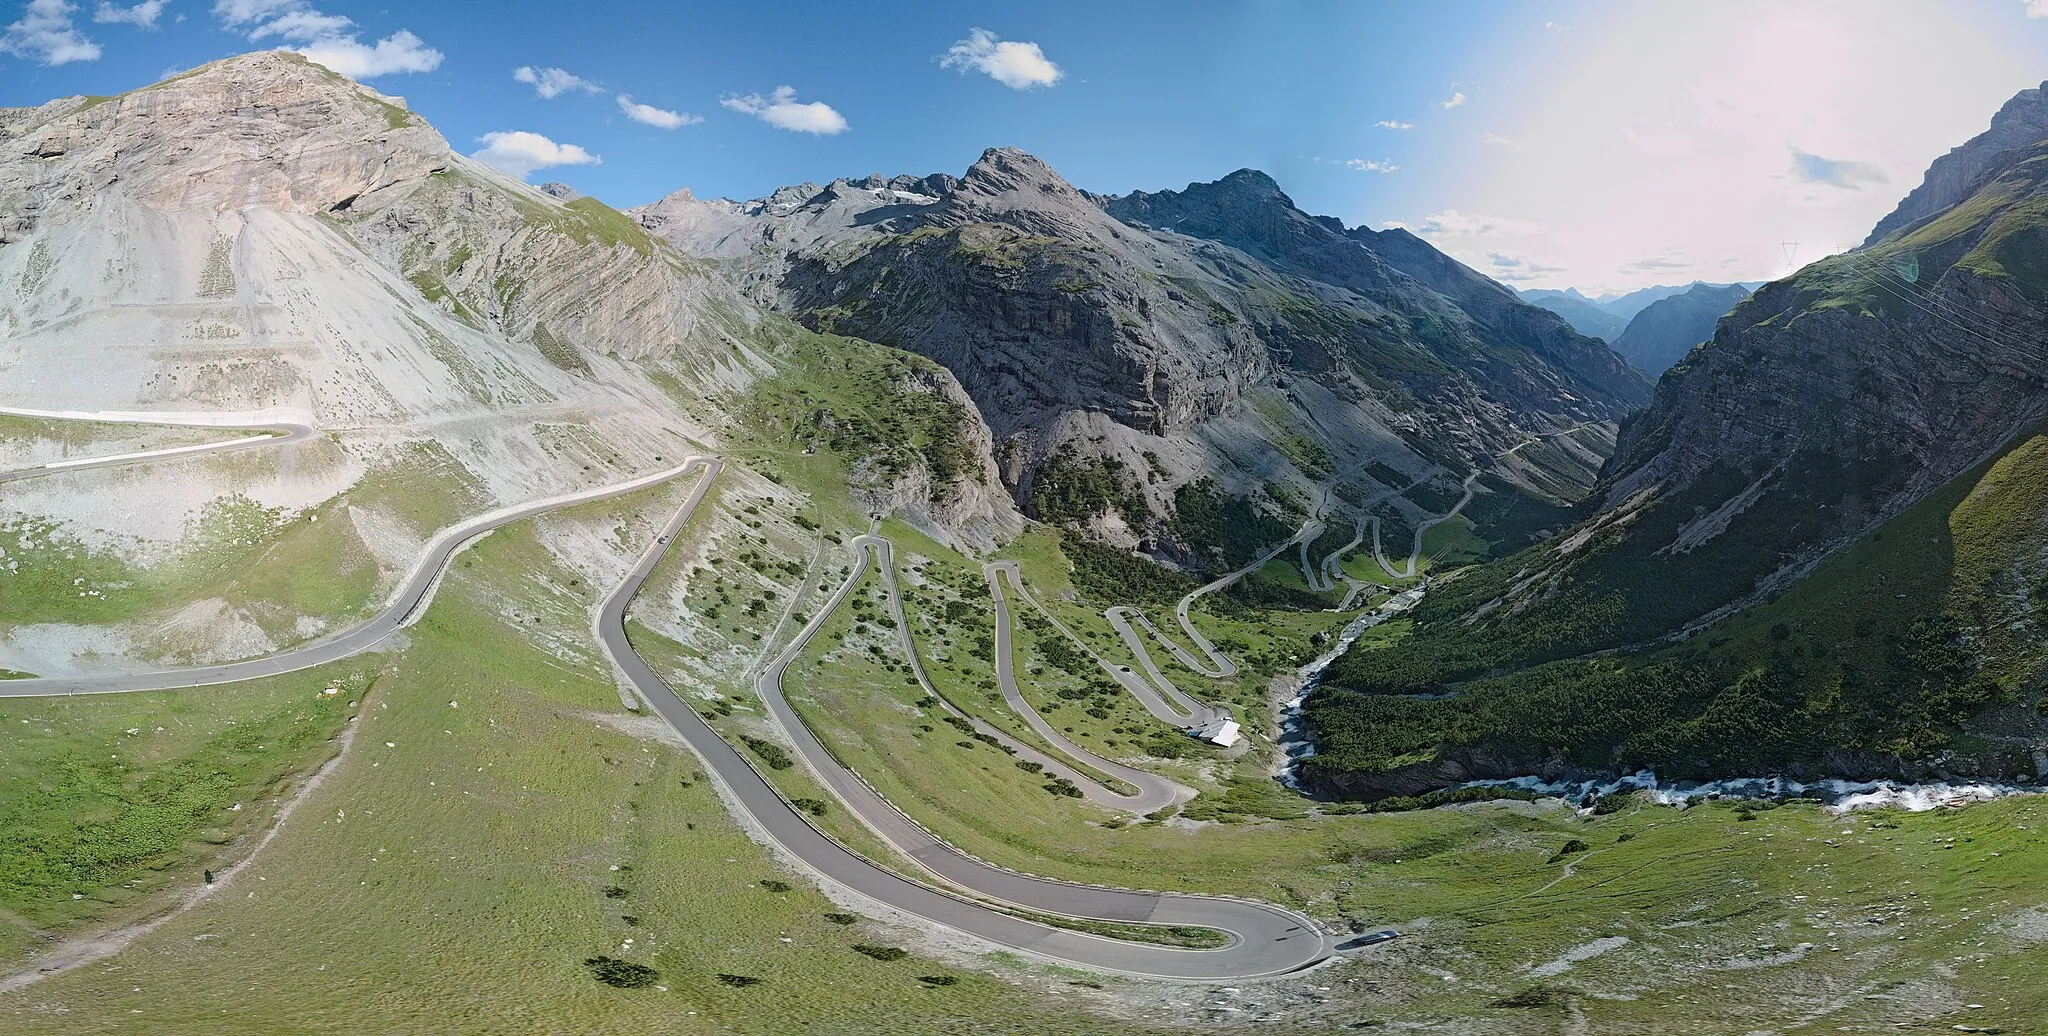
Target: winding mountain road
<point>1415,553</point>
<point>1265,939</point>
<point>406,602</point>
<point>1154,792</point>
<point>1218,666</point>
<point>1150,791</point>
<point>1177,706</point>
<point>279,427</point>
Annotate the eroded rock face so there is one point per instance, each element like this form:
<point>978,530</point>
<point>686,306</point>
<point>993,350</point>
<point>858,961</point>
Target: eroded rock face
<point>1177,335</point>
<point>970,509</point>
<point>271,129</point>
<point>1967,168</point>
<point>1923,348</point>
<point>235,181</point>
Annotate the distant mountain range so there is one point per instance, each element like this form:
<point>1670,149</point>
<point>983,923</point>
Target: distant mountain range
<point>1668,328</point>
<point>1123,349</point>
<point>1606,316</point>
<point>1821,551</point>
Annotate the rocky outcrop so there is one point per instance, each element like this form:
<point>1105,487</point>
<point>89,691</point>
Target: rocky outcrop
<point>272,130</point>
<point>966,508</point>
<point>1667,329</point>
<point>1215,332</point>
<point>2015,131</point>
<point>1467,314</point>
<point>1923,349</point>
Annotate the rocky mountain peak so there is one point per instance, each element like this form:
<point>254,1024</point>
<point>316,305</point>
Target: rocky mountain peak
<point>1254,185</point>
<point>1242,199</point>
<point>1007,169</point>
<point>1013,187</point>
<point>2020,125</point>
<point>269,128</point>
<point>788,199</point>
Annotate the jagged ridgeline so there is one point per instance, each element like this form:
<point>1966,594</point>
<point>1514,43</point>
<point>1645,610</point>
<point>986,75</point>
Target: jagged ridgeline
<point>1189,372</point>
<point>1822,550</point>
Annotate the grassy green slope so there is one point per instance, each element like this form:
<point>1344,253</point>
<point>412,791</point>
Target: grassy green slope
<point>1620,582</point>
<point>458,845</point>
<point>1891,647</point>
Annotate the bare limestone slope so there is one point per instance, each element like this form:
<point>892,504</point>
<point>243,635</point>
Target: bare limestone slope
<point>262,233</point>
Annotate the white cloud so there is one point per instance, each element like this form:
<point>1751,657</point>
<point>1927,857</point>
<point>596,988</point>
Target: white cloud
<point>327,38</point>
<point>1452,223</point>
<point>1850,176</point>
<point>1395,124</point>
<point>1456,100</point>
<point>520,153</point>
<point>1017,65</point>
<point>1659,264</point>
<point>236,12</point>
<point>45,34</point>
<point>2036,8</point>
<point>142,15</point>
<point>1364,165</point>
<point>1696,152</point>
<point>303,24</point>
<point>783,111</point>
<point>1497,140</point>
<point>1504,264</point>
<point>399,52</point>
<point>660,118</point>
<point>553,82</point>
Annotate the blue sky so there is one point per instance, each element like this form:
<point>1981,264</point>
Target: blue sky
<point>1599,143</point>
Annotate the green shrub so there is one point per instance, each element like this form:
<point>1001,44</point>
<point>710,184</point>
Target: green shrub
<point>1225,531</point>
<point>1108,575</point>
<point>770,753</point>
<point>1067,489</point>
<point>623,974</point>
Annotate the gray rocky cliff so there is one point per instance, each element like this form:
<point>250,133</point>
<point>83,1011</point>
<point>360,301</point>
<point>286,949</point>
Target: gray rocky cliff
<point>1087,326</point>
<point>2020,125</point>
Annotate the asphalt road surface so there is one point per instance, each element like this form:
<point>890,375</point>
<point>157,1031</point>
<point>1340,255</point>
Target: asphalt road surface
<point>273,428</point>
<point>1266,940</point>
<point>1154,792</point>
<point>407,601</point>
